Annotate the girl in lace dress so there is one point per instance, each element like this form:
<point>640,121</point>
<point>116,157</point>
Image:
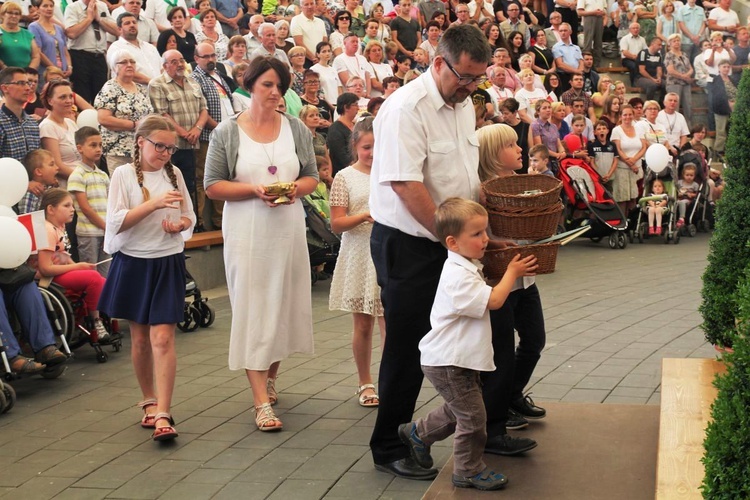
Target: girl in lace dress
<point>354,287</point>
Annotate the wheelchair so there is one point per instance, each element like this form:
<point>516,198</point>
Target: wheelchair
<point>7,393</point>
<point>71,323</point>
<point>196,312</point>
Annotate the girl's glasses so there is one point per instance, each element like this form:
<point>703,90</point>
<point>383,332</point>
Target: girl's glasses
<point>161,147</point>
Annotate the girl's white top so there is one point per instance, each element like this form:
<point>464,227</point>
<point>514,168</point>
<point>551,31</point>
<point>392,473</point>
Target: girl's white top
<point>146,239</point>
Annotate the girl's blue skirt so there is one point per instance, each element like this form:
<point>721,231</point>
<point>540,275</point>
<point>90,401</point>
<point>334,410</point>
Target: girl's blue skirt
<point>146,291</point>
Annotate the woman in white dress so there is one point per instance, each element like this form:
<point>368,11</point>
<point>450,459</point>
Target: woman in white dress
<point>631,146</point>
<point>354,287</point>
<point>265,248</point>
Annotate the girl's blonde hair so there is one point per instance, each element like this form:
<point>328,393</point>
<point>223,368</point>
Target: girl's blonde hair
<point>363,127</point>
<point>52,198</point>
<point>149,125</point>
<point>492,139</point>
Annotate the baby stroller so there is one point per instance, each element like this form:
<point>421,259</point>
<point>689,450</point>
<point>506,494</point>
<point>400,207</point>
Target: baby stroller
<point>322,243</point>
<point>699,211</point>
<point>587,202</point>
<point>669,219</point>
<point>197,312</point>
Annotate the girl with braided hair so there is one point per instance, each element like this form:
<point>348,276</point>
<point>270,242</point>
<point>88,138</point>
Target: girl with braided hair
<point>149,217</point>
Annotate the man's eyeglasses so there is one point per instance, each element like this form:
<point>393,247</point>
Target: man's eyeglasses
<point>207,56</point>
<point>161,147</point>
<point>312,82</point>
<point>25,83</point>
<point>466,80</point>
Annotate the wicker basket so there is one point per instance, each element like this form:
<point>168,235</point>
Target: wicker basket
<point>526,224</point>
<point>505,192</point>
<point>496,261</point>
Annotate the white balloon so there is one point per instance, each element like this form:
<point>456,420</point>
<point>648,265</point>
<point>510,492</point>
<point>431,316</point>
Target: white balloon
<point>88,118</point>
<point>15,181</point>
<point>657,157</point>
<point>7,212</point>
<point>15,245</point>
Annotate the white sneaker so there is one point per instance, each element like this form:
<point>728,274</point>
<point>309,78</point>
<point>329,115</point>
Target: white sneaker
<point>101,332</point>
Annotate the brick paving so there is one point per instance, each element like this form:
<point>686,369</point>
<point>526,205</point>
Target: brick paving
<point>611,316</point>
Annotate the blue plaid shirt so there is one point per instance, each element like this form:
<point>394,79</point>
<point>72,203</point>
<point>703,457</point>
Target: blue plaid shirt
<point>211,93</point>
<point>17,137</point>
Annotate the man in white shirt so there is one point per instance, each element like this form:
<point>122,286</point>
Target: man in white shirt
<point>147,30</point>
<point>724,19</point>
<point>147,58</point>
<point>349,63</point>
<point>553,32</point>
<point>87,23</point>
<point>498,93</point>
<point>267,33</point>
<point>594,14</point>
<point>426,151</point>
<point>252,39</point>
<point>674,124</point>
<point>308,31</point>
<point>630,46</point>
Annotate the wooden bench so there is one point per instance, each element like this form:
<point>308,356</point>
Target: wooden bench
<point>205,239</point>
<point>687,392</point>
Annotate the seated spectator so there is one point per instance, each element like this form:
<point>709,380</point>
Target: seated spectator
<point>311,85</point>
<point>310,116</point>
<point>283,41</point>
<point>552,86</point>
<point>26,301</point>
<point>42,169</point>
<point>651,70</point>
<point>391,84</point>
<point>630,46</point>
<point>403,64</point>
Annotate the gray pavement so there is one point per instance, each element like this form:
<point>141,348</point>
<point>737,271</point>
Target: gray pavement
<point>611,316</point>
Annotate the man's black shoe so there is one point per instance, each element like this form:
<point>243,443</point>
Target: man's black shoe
<point>515,421</point>
<point>525,407</point>
<point>508,445</point>
<point>407,468</point>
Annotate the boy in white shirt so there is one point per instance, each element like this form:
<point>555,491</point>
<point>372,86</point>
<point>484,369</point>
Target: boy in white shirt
<point>459,346</point>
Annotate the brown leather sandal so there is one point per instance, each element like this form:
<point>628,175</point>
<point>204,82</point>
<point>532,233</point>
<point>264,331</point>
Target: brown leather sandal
<point>21,365</point>
<point>148,421</point>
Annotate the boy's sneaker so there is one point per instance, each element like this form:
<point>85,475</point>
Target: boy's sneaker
<point>525,406</point>
<point>486,480</point>
<point>419,451</point>
<point>515,421</point>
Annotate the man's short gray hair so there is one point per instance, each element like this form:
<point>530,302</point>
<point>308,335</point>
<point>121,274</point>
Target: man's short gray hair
<point>265,26</point>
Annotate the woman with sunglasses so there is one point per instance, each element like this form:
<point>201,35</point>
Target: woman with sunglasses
<point>120,105</point>
<point>342,21</point>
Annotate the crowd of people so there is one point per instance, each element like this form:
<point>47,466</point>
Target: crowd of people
<point>201,107</point>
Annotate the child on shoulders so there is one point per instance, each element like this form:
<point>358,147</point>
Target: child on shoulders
<point>459,346</point>
<point>90,188</point>
<point>42,170</point>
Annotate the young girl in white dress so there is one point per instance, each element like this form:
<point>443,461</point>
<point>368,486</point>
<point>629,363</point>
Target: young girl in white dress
<point>354,287</point>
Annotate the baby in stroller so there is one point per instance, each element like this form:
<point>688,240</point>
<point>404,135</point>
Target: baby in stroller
<point>656,207</point>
